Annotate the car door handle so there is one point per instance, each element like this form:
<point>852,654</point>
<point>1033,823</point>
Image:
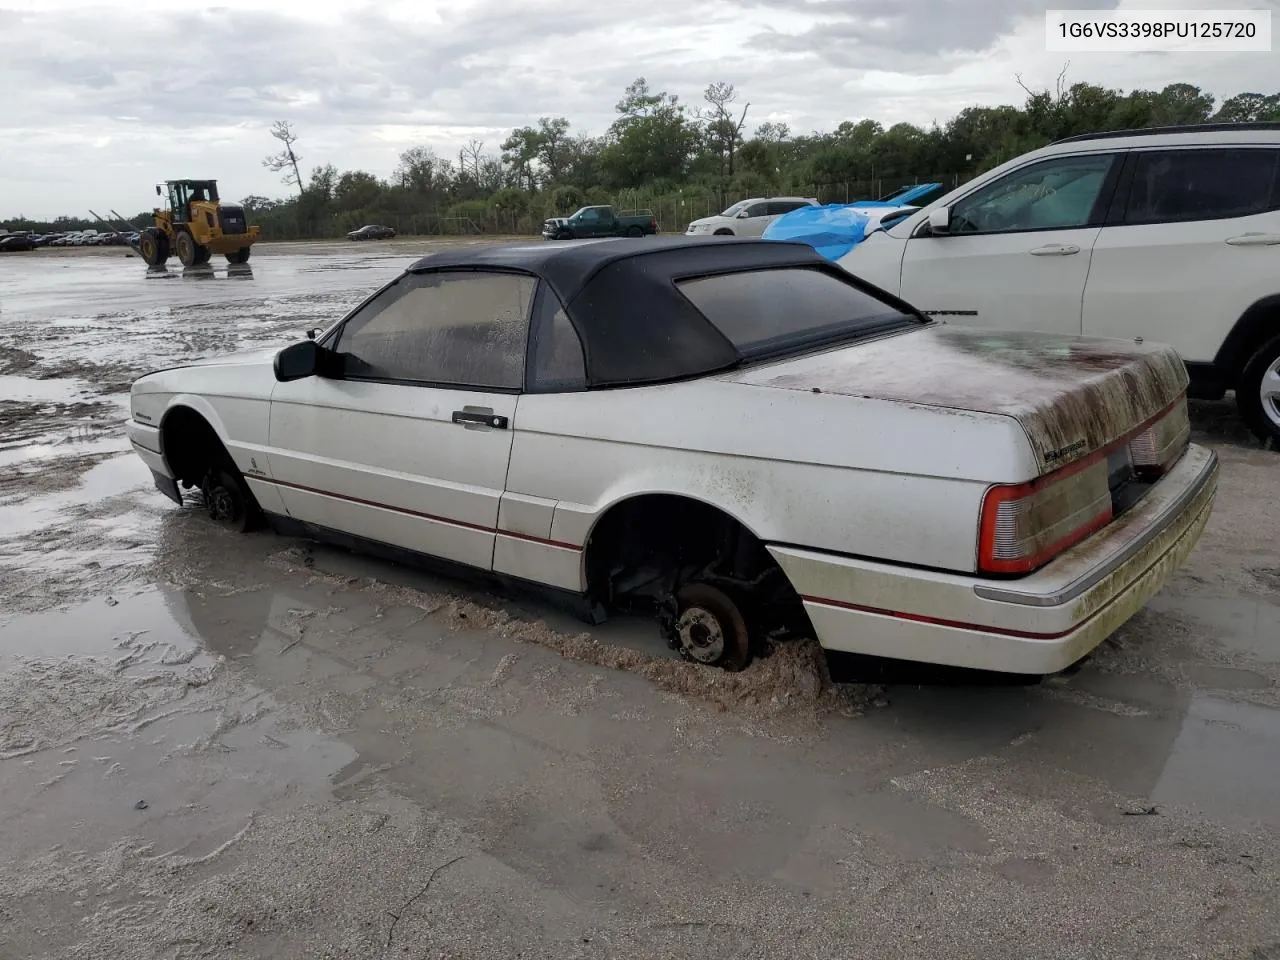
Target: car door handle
<point>480,417</point>
<point>1255,240</point>
<point>1054,250</point>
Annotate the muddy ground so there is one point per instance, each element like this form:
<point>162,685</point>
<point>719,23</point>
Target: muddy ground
<point>224,746</point>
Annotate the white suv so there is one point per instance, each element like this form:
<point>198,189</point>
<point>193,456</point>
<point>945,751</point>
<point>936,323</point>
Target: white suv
<point>1169,234</point>
<point>748,218</point>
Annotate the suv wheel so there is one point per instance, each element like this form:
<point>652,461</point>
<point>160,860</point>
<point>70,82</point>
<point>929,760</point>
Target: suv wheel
<point>1258,392</point>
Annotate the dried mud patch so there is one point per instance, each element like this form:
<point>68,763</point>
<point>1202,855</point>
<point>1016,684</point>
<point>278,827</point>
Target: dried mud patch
<point>108,378</point>
<point>14,360</point>
<point>33,477</point>
<point>46,704</point>
<point>23,421</point>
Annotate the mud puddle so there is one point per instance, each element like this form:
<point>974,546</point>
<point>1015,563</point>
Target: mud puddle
<point>26,390</point>
<point>111,719</point>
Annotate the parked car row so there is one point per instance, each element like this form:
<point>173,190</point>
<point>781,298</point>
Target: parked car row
<point>23,240</point>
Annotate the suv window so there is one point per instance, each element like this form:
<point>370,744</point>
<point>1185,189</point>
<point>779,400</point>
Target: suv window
<point>556,361</point>
<point>761,311</point>
<point>785,206</point>
<point>1209,184</point>
<point>1059,193</point>
<point>758,210</point>
<point>465,329</point>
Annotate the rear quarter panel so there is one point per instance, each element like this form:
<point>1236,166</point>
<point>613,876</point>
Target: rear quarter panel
<point>873,478</point>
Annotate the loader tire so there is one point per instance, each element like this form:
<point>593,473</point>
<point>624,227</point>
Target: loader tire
<point>154,247</point>
<point>185,247</point>
<point>239,256</point>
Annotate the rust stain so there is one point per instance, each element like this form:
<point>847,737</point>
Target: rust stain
<point>1070,394</point>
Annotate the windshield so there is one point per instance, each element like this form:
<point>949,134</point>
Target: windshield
<point>779,309</point>
<point>733,211</point>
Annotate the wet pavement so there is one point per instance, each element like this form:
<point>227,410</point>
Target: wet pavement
<point>250,746</point>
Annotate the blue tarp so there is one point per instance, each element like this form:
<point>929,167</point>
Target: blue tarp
<point>837,228</point>
<point>832,230</point>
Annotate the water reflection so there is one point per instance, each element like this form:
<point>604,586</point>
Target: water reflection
<point>200,271</point>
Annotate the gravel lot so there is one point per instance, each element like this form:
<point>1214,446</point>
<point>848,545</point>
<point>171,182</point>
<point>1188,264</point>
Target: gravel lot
<point>222,746</point>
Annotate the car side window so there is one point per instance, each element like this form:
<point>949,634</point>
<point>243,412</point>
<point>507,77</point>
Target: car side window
<point>556,359</point>
<point>758,210</point>
<point>1207,184</point>
<point>778,207</point>
<point>460,328</point>
<point>1054,194</point>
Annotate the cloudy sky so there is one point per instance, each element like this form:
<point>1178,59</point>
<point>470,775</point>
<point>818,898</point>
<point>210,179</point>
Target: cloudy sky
<point>100,99</point>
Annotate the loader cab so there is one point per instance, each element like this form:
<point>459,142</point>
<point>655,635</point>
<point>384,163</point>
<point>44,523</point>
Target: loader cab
<point>182,193</point>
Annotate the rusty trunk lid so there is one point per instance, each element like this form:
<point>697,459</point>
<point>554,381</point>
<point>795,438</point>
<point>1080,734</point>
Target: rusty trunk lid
<point>1072,395</point>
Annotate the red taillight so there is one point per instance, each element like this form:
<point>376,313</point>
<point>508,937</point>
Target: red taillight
<point>1154,448</point>
<point>1027,524</point>
<point>1023,526</point>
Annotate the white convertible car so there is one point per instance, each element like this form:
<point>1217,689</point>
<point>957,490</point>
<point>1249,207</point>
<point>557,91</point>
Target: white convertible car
<point>737,435</point>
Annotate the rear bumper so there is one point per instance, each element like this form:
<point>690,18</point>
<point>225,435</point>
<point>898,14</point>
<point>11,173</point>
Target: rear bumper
<point>1038,624</point>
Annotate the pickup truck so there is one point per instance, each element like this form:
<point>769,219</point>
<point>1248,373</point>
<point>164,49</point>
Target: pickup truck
<point>599,222</point>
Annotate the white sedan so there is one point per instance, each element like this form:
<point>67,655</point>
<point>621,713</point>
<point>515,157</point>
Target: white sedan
<point>736,435</point>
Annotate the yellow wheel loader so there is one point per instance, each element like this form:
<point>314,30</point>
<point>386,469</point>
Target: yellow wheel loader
<point>196,226</point>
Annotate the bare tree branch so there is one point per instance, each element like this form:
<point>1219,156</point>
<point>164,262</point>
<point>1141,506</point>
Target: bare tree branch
<point>286,161</point>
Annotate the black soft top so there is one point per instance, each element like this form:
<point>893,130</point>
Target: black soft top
<point>620,295</point>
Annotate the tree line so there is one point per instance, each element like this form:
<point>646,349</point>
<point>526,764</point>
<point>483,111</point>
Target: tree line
<point>684,161</point>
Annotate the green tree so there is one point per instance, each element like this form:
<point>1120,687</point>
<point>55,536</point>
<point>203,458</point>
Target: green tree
<point>1249,108</point>
<point>554,148</point>
<point>356,190</point>
<point>520,151</point>
<point>652,139</point>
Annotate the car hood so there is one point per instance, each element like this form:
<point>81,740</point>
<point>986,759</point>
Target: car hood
<point>707,221</point>
<point>265,357</point>
<point>1071,395</point>
<point>266,354</point>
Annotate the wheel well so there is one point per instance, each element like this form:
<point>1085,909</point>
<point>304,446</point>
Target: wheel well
<point>1255,327</point>
<point>723,232</point>
<point>644,548</point>
<point>190,445</point>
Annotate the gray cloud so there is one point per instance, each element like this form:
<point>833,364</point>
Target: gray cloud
<point>850,30</point>
<point>205,84</point>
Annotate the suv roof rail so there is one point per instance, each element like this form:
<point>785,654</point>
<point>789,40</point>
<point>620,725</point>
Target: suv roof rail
<point>1181,128</point>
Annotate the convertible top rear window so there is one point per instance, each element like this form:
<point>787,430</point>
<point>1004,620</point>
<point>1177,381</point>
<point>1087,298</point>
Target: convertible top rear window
<point>762,311</point>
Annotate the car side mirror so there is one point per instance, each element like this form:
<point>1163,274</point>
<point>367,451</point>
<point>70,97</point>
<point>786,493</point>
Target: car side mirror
<point>742,214</point>
<point>298,361</point>
<point>940,220</point>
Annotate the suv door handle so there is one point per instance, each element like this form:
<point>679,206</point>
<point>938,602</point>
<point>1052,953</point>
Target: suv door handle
<point>1255,240</point>
<point>1055,250</point>
<point>480,417</point>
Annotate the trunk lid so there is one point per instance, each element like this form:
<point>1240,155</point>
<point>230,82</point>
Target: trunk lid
<point>1072,395</point>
